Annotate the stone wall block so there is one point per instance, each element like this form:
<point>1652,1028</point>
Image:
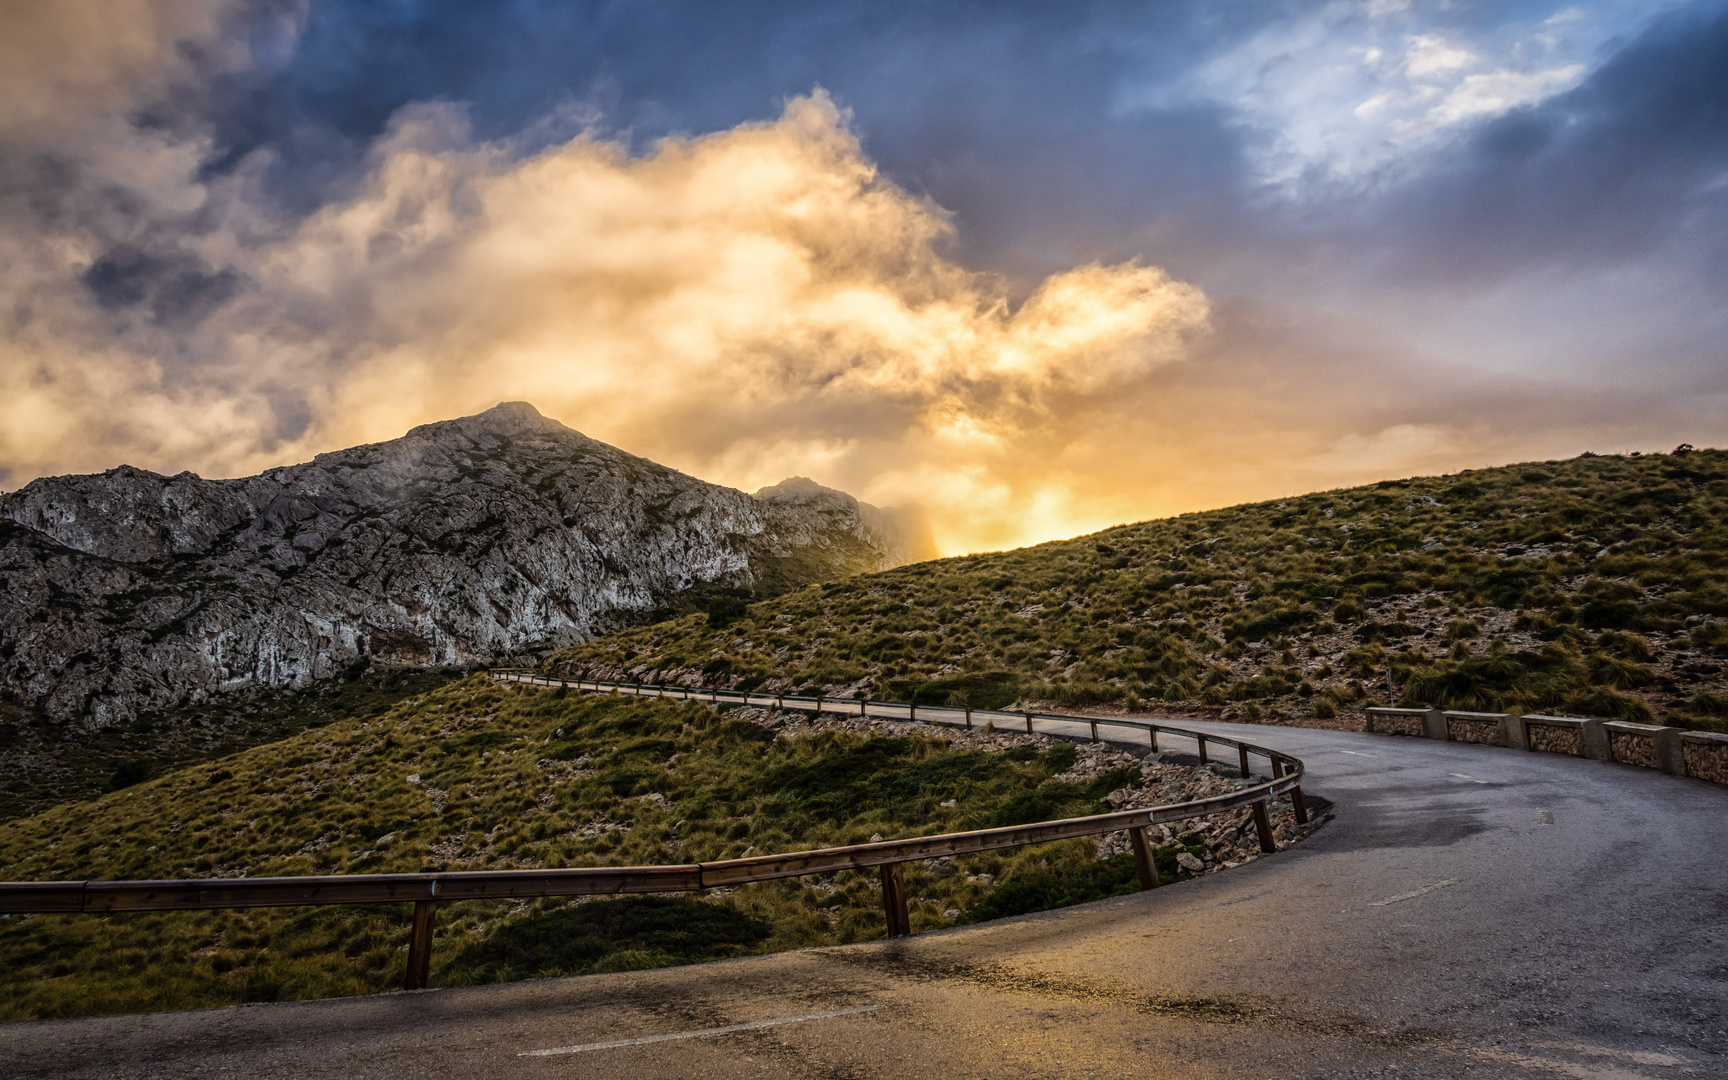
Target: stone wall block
<point>1593,740</point>
<point>1487,729</point>
<point>1386,721</point>
<point>1706,755</point>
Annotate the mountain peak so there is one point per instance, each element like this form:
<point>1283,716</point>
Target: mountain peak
<point>466,541</point>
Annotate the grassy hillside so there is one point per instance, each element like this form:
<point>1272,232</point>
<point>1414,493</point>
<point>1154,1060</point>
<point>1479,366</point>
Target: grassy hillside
<point>43,763</point>
<point>1596,586</point>
<point>475,776</point>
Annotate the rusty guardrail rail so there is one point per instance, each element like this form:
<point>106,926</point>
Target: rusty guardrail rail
<point>427,890</point>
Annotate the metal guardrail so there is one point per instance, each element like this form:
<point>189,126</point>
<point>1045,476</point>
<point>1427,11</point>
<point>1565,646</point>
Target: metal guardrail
<point>426,891</point>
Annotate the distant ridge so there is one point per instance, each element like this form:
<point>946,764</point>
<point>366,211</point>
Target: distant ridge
<point>1596,587</point>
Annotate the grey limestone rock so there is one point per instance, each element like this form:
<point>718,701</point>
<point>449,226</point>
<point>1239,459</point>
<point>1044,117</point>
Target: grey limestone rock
<point>466,541</point>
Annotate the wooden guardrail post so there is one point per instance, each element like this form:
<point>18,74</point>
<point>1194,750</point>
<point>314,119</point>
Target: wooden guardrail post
<point>420,946</point>
<point>1028,723</point>
<point>912,710</point>
<point>1094,733</point>
<point>1297,806</point>
<point>1200,741</point>
<point>894,901</point>
<point>1152,736</point>
<point>1242,752</point>
<point>1263,826</point>
<point>968,718</point>
<point>1143,858</point>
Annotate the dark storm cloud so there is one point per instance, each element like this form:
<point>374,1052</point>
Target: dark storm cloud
<point>1632,160</point>
<point>993,109</point>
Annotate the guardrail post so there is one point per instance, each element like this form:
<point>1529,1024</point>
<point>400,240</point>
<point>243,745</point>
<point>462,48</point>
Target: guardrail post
<point>1028,723</point>
<point>419,946</point>
<point>1094,733</point>
<point>968,718</point>
<point>1143,858</point>
<point>1152,735</point>
<point>912,711</point>
<point>863,708</point>
<point>1263,826</point>
<point>1201,742</point>
<point>1242,752</point>
<point>894,901</point>
<point>818,706</point>
<point>1297,806</point>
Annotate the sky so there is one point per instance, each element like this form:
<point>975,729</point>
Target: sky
<point>1039,268</point>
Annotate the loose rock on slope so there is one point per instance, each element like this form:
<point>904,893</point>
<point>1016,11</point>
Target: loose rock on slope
<point>465,541</point>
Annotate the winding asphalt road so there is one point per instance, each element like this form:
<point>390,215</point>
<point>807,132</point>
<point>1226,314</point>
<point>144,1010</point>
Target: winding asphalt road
<point>1469,912</point>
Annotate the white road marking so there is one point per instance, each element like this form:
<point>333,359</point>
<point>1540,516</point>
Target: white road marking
<point>1417,892</point>
<point>1357,753</point>
<point>730,1029</point>
<point>1472,779</point>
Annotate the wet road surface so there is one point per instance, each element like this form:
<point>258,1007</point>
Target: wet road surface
<point>1468,912</point>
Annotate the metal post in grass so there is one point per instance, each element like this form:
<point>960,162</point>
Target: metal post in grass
<point>894,901</point>
<point>419,946</point>
<point>1143,858</point>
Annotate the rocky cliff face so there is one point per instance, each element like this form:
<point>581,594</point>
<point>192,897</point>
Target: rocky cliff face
<point>466,541</point>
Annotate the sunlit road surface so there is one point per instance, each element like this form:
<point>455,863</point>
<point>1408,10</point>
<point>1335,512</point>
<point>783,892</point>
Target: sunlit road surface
<point>1470,912</point>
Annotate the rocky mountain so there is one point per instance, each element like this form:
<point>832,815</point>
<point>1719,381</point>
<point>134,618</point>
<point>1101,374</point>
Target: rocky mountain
<point>467,541</point>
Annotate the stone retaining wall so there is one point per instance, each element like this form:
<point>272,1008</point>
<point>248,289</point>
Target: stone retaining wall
<point>1699,754</point>
<point>1706,755</point>
<point>1555,739</point>
<point>1397,722</point>
<point>1474,729</point>
<point>1631,749</point>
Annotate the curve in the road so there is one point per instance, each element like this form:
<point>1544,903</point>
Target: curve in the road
<point>1468,913</point>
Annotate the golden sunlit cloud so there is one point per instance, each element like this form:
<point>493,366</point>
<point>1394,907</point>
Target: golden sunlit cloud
<point>744,305</point>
